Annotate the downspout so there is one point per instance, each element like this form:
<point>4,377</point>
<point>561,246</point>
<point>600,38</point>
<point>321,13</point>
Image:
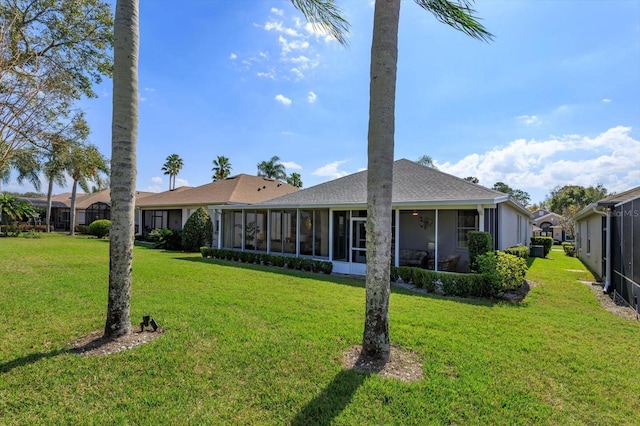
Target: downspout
<point>435,252</point>
<point>607,271</point>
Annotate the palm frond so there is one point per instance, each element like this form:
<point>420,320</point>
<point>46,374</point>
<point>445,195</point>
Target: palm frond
<point>458,14</point>
<point>325,15</point>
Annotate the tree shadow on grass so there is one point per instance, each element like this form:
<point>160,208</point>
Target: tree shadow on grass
<point>30,359</point>
<point>333,399</point>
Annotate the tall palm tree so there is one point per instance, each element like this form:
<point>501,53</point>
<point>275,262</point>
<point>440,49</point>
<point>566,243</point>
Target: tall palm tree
<point>123,167</point>
<point>382,88</point>
<point>272,169</point>
<point>54,171</point>
<point>26,162</point>
<point>85,163</point>
<point>295,179</point>
<point>221,168</point>
<point>172,167</point>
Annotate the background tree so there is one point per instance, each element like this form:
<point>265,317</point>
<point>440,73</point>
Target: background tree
<point>426,161</point>
<point>561,198</point>
<point>198,231</point>
<point>25,162</point>
<point>172,167</point>
<point>53,51</point>
<point>384,55</point>
<point>85,163</point>
<point>221,168</point>
<point>519,195</point>
<point>12,209</point>
<point>272,169</point>
<point>124,138</point>
<point>295,179</point>
<point>472,179</point>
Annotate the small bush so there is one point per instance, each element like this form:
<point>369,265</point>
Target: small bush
<point>479,243</point>
<point>393,274</point>
<point>569,249</point>
<point>168,239</point>
<point>547,242</point>
<point>519,251</point>
<point>405,273</point>
<point>197,231</point>
<point>100,228</point>
<point>505,271</point>
<point>83,229</point>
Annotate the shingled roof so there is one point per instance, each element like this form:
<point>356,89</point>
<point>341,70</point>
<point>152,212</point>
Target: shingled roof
<point>621,197</point>
<point>240,189</point>
<point>412,183</point>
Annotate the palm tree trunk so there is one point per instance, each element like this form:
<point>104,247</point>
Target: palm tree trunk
<point>382,95</point>
<point>123,166</point>
<point>49,192</point>
<point>72,213</point>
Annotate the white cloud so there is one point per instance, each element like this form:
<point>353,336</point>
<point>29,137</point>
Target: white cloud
<point>156,179</point>
<point>318,32</point>
<point>288,46</point>
<point>149,89</point>
<point>270,75</point>
<point>276,11</point>
<point>312,97</point>
<point>297,73</point>
<point>331,170</point>
<point>155,186</point>
<point>283,99</point>
<point>606,100</point>
<point>233,56</point>
<point>530,120</point>
<point>610,158</point>
<point>291,165</point>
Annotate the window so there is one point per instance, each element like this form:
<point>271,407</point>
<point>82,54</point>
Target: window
<point>467,221</point>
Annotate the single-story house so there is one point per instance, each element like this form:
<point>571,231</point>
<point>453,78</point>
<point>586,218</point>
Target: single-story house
<point>432,215</point>
<point>608,241</point>
<point>89,207</point>
<point>548,224</point>
<point>171,209</point>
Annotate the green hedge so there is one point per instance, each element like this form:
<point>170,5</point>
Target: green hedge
<point>100,228</point>
<point>569,249</point>
<point>297,263</point>
<point>547,242</point>
<point>479,243</point>
<point>519,251</point>
<point>452,283</point>
<point>505,271</point>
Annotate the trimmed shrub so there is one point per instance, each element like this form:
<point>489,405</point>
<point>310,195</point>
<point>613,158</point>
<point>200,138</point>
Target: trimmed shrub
<point>167,239</point>
<point>505,271</point>
<point>83,229</point>
<point>569,249</point>
<point>198,230</point>
<point>479,243</point>
<point>100,228</point>
<point>547,242</point>
<point>393,274</point>
<point>405,272</point>
<point>520,251</point>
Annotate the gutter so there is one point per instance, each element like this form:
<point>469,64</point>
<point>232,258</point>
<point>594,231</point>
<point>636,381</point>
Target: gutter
<point>607,272</point>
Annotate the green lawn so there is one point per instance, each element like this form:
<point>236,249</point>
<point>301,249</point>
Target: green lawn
<point>253,345</point>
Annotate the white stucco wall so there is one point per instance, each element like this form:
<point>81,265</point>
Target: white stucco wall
<point>515,228</point>
<point>589,242</point>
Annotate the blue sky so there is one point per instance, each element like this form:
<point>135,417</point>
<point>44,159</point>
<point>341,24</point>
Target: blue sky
<point>553,100</point>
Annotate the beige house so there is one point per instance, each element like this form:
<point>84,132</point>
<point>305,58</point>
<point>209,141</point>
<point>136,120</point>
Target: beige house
<point>171,209</point>
<point>432,215</point>
<point>548,224</point>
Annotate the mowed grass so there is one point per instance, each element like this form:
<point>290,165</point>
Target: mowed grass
<point>255,345</point>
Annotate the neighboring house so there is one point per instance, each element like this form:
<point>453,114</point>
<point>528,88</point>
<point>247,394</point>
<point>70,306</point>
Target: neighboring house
<point>171,209</point>
<point>548,224</point>
<point>432,215</point>
<point>89,207</point>
<point>608,241</point>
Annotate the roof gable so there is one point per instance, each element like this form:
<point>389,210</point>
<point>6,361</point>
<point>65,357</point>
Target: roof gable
<point>240,189</point>
<point>412,182</point>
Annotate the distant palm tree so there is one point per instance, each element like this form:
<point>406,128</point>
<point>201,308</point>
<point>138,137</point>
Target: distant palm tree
<point>272,169</point>
<point>295,179</point>
<point>172,167</point>
<point>25,162</point>
<point>85,164</point>
<point>221,168</point>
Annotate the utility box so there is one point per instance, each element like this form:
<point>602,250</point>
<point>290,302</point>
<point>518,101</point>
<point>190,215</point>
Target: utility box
<point>536,251</point>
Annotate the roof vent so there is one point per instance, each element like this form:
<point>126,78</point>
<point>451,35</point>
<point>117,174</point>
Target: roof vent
<point>259,189</point>
<point>264,187</point>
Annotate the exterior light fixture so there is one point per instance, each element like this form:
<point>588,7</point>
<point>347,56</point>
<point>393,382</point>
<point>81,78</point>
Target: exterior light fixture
<point>415,213</point>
